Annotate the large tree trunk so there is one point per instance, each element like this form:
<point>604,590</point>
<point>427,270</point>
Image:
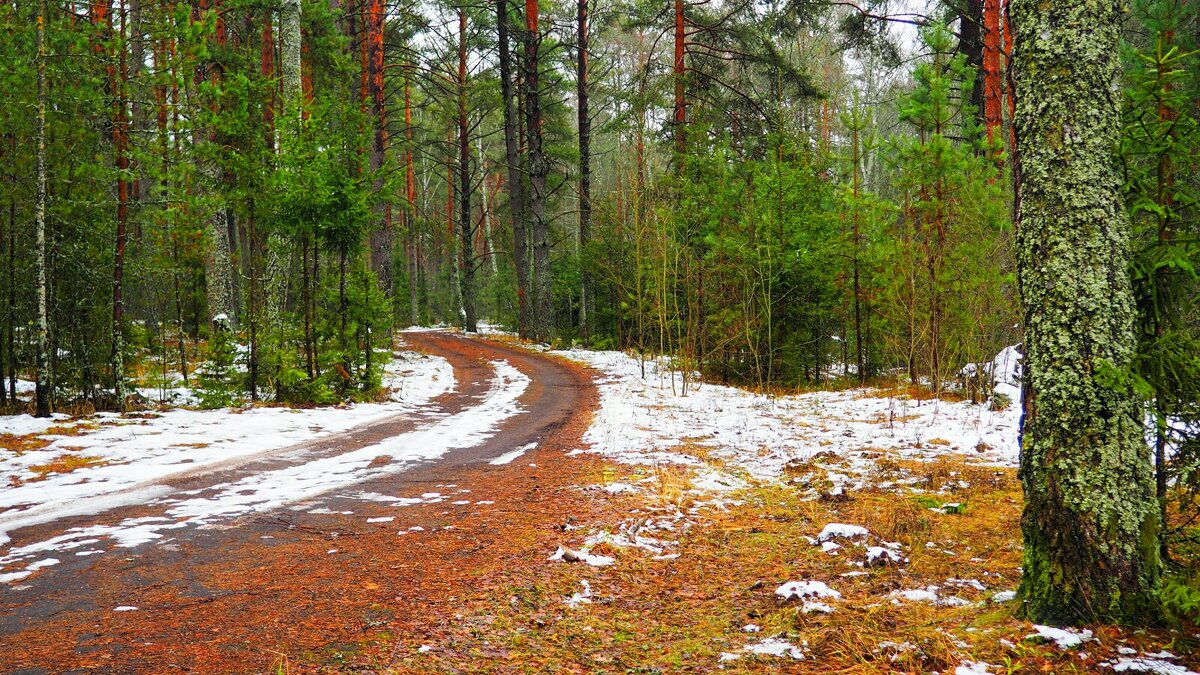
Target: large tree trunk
<point>539,170</point>
<point>585,170</point>
<point>465,231</point>
<point>42,395</point>
<point>1090,523</point>
<point>516,188</point>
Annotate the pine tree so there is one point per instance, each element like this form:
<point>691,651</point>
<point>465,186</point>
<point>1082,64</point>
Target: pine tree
<point>1090,522</point>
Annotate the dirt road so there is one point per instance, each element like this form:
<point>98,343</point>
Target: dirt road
<point>338,585</point>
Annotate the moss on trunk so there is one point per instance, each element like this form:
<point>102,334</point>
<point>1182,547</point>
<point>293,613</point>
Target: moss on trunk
<point>1090,519</point>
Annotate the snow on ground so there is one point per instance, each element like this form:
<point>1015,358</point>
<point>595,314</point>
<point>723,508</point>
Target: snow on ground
<point>272,489</point>
<point>646,420</point>
<point>1152,665</point>
<point>127,454</point>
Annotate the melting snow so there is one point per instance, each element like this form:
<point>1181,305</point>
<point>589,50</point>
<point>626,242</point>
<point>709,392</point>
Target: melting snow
<point>1065,638</point>
<point>798,590</point>
<point>1148,665</point>
<point>840,531</point>
<point>508,457</point>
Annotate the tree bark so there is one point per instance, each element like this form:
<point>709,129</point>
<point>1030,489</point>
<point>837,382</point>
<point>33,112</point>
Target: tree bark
<point>515,184</point>
<point>971,45</point>
<point>680,112</point>
<point>993,89</point>
<point>218,271</point>
<point>585,170</point>
<point>117,76</point>
<point>381,236</point>
<point>410,192</point>
<point>1090,522</point>
<point>289,57</point>
<point>539,170</point>
<point>466,233</point>
<point>42,393</point>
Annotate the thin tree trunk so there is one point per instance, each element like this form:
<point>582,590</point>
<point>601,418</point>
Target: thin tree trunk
<point>306,292</point>
<point>516,186</point>
<point>1090,521</point>
<point>679,118</point>
<point>120,139</point>
<point>466,234</point>
<point>43,393</point>
<point>5,353</point>
<point>585,170</point>
<point>10,311</point>
<point>410,191</point>
<point>539,170</point>
<point>381,236</point>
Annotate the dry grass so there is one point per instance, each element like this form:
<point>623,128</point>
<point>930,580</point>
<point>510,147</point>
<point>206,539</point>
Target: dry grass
<point>20,444</point>
<point>910,392</point>
<point>63,464</point>
<point>680,615</point>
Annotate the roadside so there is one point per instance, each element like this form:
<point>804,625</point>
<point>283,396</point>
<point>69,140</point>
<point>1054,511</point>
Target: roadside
<point>864,531</point>
<point>328,580</point>
<point>860,531</point>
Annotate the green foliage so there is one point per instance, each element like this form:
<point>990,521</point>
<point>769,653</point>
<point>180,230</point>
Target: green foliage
<point>942,275</point>
<point>1181,597</point>
<point>219,380</point>
<point>1160,144</point>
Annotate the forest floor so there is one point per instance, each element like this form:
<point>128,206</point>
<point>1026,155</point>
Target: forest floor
<point>648,530</point>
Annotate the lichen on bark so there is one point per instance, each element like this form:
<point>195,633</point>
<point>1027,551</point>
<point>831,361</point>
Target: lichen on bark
<point>1090,518</point>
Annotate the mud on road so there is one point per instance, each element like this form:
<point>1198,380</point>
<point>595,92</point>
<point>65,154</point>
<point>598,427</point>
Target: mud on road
<point>326,591</point>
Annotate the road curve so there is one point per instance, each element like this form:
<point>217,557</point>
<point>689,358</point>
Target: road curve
<point>241,594</point>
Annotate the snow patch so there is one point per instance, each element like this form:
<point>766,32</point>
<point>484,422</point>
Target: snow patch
<point>799,590</point>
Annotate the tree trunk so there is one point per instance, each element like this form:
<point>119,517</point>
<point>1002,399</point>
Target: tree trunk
<point>993,89</point>
<point>6,318</point>
<point>466,233</point>
<point>410,192</point>
<point>970,44</point>
<point>289,56</point>
<point>117,85</point>
<point>516,186</point>
<point>10,312</point>
<point>218,262</point>
<point>680,112</point>
<point>1090,522</point>
<point>585,171</point>
<point>539,170</point>
<point>381,236</point>
<point>42,394</point>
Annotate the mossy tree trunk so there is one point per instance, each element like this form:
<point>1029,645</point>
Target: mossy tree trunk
<point>1090,521</point>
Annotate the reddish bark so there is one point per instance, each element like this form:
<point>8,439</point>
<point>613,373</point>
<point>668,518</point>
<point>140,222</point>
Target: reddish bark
<point>267,69</point>
<point>1008,85</point>
<point>993,89</point>
<point>680,117</point>
<point>381,246</point>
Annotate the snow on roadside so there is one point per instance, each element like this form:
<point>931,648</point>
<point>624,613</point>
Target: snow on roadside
<point>269,490</point>
<point>645,421</point>
<point>132,452</point>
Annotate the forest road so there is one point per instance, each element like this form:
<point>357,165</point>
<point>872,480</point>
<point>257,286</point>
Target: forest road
<point>337,580</point>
